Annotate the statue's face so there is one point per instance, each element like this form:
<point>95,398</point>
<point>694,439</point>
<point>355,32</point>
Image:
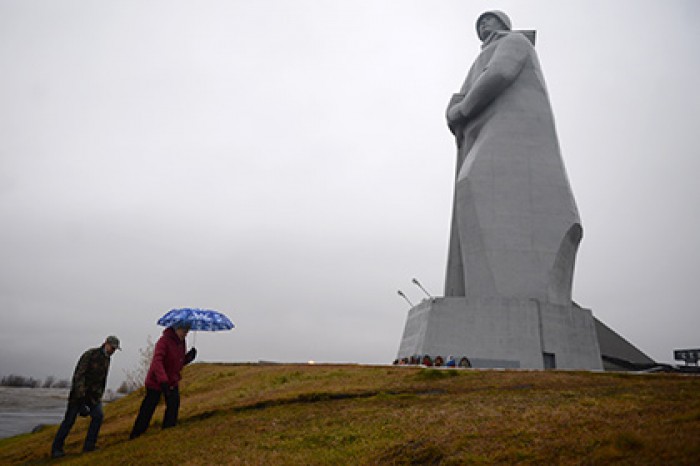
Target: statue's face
<point>489,24</point>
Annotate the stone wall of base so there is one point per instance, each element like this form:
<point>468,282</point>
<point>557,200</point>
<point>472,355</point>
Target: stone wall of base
<point>499,332</point>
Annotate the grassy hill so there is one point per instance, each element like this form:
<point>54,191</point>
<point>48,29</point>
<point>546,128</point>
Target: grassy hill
<point>347,414</point>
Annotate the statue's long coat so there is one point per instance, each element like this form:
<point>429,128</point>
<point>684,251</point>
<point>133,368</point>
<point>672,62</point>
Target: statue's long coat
<point>515,226</point>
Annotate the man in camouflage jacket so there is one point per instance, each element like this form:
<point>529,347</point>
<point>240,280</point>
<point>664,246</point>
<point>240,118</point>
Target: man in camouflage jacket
<point>86,392</point>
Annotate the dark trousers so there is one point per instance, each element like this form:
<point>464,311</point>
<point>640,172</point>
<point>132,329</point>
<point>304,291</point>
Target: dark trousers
<point>148,406</point>
<point>96,414</point>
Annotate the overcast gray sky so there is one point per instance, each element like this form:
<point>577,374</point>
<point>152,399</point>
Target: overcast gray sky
<point>288,163</point>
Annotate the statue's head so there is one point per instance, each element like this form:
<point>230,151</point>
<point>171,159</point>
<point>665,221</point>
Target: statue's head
<point>491,21</point>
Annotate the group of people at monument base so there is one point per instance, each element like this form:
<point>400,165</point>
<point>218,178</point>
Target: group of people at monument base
<point>170,355</point>
<point>437,361</point>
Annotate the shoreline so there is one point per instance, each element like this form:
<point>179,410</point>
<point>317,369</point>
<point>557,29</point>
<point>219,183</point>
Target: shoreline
<point>22,409</point>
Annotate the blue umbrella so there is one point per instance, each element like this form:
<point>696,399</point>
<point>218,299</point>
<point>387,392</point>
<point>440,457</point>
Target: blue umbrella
<point>197,319</point>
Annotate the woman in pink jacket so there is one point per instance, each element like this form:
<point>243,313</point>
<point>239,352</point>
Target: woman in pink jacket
<point>169,357</point>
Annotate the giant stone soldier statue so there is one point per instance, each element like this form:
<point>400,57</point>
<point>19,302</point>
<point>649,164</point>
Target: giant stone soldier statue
<point>515,225</point>
<point>515,229</point>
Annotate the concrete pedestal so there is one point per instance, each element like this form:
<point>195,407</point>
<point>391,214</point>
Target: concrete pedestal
<point>503,333</point>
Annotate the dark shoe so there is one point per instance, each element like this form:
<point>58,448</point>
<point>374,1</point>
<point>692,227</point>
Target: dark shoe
<point>58,454</point>
<point>89,449</point>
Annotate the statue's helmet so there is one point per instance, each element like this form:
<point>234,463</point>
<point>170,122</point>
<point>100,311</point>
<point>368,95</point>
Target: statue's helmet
<point>498,14</point>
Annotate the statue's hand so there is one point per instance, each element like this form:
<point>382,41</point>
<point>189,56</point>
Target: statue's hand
<point>455,127</point>
<point>456,123</point>
<point>454,115</point>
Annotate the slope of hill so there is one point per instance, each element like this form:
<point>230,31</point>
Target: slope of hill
<point>348,414</point>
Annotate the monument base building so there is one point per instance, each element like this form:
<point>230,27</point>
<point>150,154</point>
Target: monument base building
<point>516,334</point>
<point>503,333</point>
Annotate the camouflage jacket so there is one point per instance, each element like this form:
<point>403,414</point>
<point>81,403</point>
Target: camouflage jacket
<point>90,376</point>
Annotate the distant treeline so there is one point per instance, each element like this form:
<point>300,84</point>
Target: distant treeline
<point>13,380</point>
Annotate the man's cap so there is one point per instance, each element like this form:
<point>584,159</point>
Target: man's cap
<point>113,341</point>
<point>498,14</point>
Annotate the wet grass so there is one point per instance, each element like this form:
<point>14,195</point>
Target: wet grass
<point>326,414</point>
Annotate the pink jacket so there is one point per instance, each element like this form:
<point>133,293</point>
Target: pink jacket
<point>169,357</point>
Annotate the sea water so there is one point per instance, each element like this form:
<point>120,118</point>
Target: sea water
<point>22,409</point>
